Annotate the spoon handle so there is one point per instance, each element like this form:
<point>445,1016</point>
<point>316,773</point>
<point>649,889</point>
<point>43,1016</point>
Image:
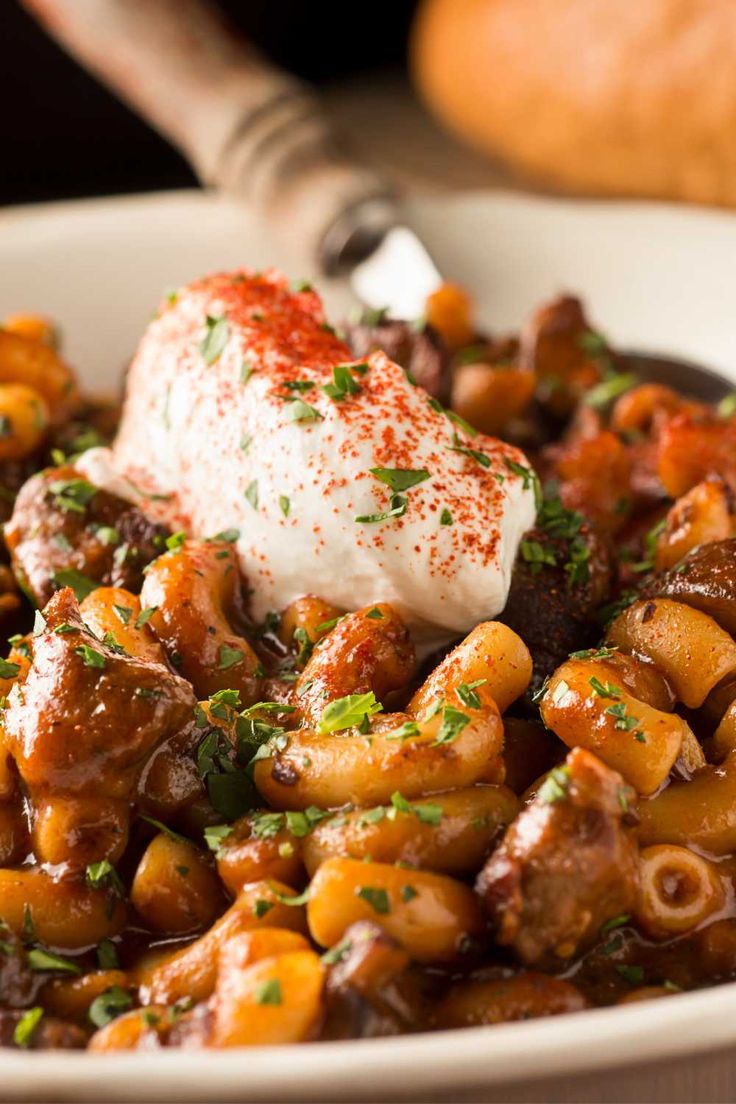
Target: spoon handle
<point>248,129</point>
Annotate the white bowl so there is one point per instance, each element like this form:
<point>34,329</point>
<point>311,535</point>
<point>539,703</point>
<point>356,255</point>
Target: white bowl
<point>657,278</point>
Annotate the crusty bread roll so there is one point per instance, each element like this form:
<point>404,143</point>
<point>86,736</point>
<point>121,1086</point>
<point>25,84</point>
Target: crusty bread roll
<point>618,97</point>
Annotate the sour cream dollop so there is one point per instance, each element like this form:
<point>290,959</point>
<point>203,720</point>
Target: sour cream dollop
<point>244,411</point>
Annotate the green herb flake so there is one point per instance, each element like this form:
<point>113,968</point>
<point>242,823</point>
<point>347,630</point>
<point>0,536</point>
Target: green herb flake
<point>604,393</point>
<point>215,835</point>
<point>246,371</point>
<point>80,584</point>
<point>453,723</point>
<point>446,517</point>
<point>8,670</point>
<point>400,479</point>
<point>145,616</point>
<point>251,493</point>
<point>103,875</point>
<point>107,955</point>
<point>90,656</point>
<point>397,508</point>
<point>343,383</point>
<point>376,898</point>
<point>604,691</point>
<point>26,1027</point>
<point>72,495</point>
<point>40,960</point>
<point>261,907</point>
<point>348,711</point>
<point>408,893</point>
<point>634,975</point>
<point>467,695</point>
<point>268,992</point>
<point>300,411</point>
<point>537,556</point>
<point>555,786</point>
<point>109,1005</point>
<point>337,953</point>
<point>217,335</point>
<point>284,505</point>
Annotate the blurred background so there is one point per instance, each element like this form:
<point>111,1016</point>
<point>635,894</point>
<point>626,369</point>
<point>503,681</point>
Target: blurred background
<point>589,97</point>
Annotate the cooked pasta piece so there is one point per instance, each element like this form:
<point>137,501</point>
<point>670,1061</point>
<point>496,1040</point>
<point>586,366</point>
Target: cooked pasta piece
<point>678,891</point>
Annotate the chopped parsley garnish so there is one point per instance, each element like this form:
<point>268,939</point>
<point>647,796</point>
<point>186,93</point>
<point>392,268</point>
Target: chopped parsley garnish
<point>109,1005</point>
<point>90,657</point>
<point>603,652</point>
<point>251,493</point>
<point>445,517</point>
<point>453,722</point>
<point>609,389</point>
<point>615,922</point>
<point>301,637</point>
<point>80,584</point>
<point>555,786</point>
<point>461,423</point>
<point>217,334</point>
<point>300,411</point>
<point>343,383</point>
<point>103,875</point>
<point>472,454</point>
<point>107,955</point>
<point>72,495</point>
<point>537,556</point>
<point>268,992</point>
<point>261,907</point>
<point>228,536</point>
<point>164,828</point>
<point>634,975</point>
<point>426,813</point>
<point>145,616</point>
<point>246,371</point>
<point>556,520</point>
<point>529,479</point>
<point>400,479</point>
<point>284,505</point>
<point>215,835</point>
<point>404,732</point>
<point>8,670</point>
<point>338,952</point>
<point>607,691</point>
<point>375,614</point>
<point>228,657</point>
<point>26,1027</point>
<point>408,893</point>
<point>40,960</point>
<point>467,695</point>
<point>289,898</point>
<point>592,342</point>
<point>624,722</point>
<point>348,711</point>
<point>297,385</point>
<point>397,508</point>
<point>376,898</point>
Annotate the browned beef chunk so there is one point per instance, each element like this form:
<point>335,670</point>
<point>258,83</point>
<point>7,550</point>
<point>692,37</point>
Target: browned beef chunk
<point>559,581</point>
<point>371,990</point>
<point>706,580</point>
<point>61,522</point>
<point>566,865</point>
<point>420,352</point>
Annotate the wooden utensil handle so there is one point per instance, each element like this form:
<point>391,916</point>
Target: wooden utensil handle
<point>246,128</point>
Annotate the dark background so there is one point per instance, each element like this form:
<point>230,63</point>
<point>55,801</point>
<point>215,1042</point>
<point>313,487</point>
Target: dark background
<point>62,134</point>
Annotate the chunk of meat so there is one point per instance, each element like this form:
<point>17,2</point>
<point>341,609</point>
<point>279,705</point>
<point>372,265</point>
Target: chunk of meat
<point>558,583</point>
<point>566,865</point>
<point>81,729</point>
<point>706,580</point>
<point>371,989</point>
<point>421,352</point>
<point>87,717</point>
<point>61,522</point>
<point>566,355</point>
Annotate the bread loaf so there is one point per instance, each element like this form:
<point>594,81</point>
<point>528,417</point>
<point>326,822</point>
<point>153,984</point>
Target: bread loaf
<point>616,97</point>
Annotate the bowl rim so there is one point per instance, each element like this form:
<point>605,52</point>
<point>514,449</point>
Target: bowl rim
<point>677,1026</point>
